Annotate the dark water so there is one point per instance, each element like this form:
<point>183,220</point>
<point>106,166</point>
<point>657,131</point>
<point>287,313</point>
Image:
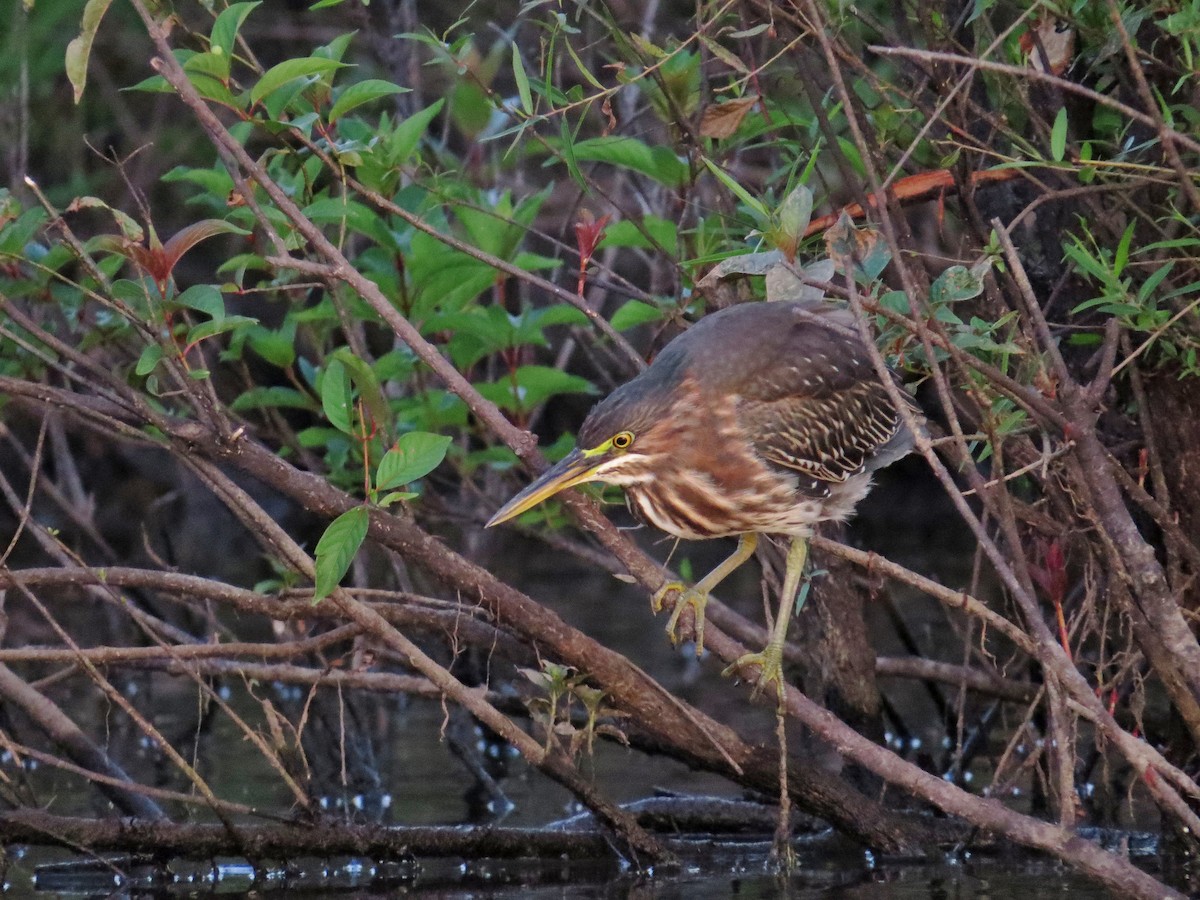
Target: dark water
<point>421,782</point>
<point>428,789</point>
<point>719,870</point>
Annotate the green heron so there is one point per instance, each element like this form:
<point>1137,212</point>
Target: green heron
<point>760,418</point>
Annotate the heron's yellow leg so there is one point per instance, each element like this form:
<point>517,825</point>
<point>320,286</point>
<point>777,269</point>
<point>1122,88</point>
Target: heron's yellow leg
<point>697,597</point>
<point>770,660</point>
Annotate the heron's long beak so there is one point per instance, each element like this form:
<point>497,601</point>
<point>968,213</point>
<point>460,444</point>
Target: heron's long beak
<point>572,469</point>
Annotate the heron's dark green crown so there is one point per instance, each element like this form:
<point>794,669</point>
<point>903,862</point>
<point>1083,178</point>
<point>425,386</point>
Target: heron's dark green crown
<point>635,406</point>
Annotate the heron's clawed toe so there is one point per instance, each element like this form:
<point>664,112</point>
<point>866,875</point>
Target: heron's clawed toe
<point>770,665</point>
<point>660,596</point>
<point>688,597</point>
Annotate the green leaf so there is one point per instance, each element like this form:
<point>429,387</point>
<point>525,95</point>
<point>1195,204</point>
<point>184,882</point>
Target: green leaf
<point>225,30</point>
<point>80,47</point>
<point>634,313</point>
<point>274,397</point>
<point>744,264</point>
<point>583,69</point>
<point>212,89</point>
<point>16,235</point>
<point>276,347</point>
<point>499,227</point>
<point>1174,244</point>
<point>369,389</point>
<point>278,103</point>
<point>534,385</point>
<point>647,47</point>
<point>956,283</point>
<point>148,360</point>
<point>203,298</point>
<point>567,143</point>
<point>1150,285</point>
<point>218,326</point>
<point>795,212</point>
<point>337,548</point>
<point>214,65</point>
<point>1058,136</point>
<point>522,80</point>
<point>1090,304</point>
<point>215,181</point>
<point>724,55</point>
<point>850,152</point>
<point>676,90</point>
<point>209,75</point>
<point>291,70</point>
<point>626,233</point>
<point>740,192</point>
<point>531,262</point>
<point>155,84</point>
<point>470,107</point>
<point>395,496</point>
<point>336,397</point>
<point>130,229</point>
<point>554,315</point>
<point>659,163</point>
<point>337,47</point>
<point>403,141</point>
<point>1085,262</point>
<point>871,265</point>
<point>363,92</point>
<point>340,210</point>
<point>1122,256</point>
<point>415,455</point>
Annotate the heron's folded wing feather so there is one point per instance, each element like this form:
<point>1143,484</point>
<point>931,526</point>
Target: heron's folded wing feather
<point>825,414</point>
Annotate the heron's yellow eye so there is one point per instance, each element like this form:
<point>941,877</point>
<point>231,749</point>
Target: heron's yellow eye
<point>622,440</point>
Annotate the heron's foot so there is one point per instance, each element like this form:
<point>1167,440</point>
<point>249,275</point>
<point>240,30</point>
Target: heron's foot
<point>669,587</point>
<point>688,597</point>
<point>770,669</point>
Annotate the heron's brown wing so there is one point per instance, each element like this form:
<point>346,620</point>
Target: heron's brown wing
<point>820,410</point>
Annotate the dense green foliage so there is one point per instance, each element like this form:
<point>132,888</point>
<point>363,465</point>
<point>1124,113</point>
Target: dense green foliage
<point>382,245</point>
